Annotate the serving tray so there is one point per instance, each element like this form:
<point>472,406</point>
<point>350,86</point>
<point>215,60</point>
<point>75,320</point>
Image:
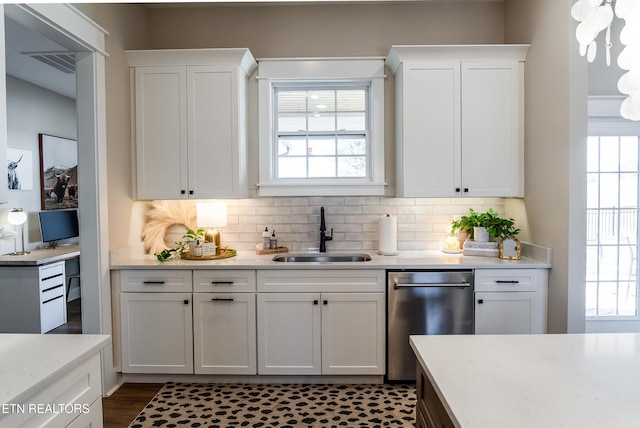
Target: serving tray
<point>224,254</point>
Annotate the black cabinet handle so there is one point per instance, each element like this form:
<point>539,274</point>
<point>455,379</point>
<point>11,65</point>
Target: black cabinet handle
<point>466,190</point>
<point>182,192</point>
<point>216,299</point>
<point>315,302</point>
<point>500,281</point>
<point>51,277</point>
<point>457,190</point>
<point>221,282</point>
<point>191,192</point>
<point>324,302</point>
<point>480,301</point>
<point>186,301</point>
<point>153,282</point>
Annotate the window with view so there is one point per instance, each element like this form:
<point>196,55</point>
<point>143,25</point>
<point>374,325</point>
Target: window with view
<point>612,226</point>
<point>321,125</point>
<point>321,132</point>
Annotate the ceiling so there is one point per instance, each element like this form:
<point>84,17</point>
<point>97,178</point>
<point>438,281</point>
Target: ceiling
<point>19,39</point>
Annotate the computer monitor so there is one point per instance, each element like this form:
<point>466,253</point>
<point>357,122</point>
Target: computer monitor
<point>58,225</point>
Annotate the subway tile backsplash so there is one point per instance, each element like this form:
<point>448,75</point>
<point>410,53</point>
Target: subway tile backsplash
<point>422,222</point>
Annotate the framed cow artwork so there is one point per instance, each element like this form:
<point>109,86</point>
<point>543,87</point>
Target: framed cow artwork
<point>58,172</point>
<point>19,169</point>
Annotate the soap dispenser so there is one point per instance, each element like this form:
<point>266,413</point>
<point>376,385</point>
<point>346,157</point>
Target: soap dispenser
<point>266,242</point>
<point>273,241</point>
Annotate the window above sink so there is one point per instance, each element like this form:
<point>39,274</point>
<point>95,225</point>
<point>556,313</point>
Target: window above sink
<point>321,125</point>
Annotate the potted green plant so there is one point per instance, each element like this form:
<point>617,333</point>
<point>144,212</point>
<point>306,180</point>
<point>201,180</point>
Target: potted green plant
<point>191,241</point>
<point>488,224</point>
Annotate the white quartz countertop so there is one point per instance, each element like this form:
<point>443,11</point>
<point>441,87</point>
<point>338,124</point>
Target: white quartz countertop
<point>30,361</point>
<point>534,257</point>
<point>532,381</point>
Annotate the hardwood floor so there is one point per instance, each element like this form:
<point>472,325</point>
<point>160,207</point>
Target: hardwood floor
<point>74,319</point>
<point>124,405</point>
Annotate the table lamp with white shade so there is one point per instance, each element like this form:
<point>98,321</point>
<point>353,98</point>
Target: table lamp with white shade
<point>18,217</point>
<point>211,215</point>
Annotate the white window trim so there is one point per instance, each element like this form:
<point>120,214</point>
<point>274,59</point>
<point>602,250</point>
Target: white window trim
<point>332,70</point>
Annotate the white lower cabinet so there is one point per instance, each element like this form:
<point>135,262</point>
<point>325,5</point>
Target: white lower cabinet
<point>224,330</point>
<point>156,325</point>
<point>353,326</point>
<point>316,332</point>
<point>511,301</point>
<point>289,333</point>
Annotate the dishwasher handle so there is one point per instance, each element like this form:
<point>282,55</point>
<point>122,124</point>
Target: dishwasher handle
<point>397,284</point>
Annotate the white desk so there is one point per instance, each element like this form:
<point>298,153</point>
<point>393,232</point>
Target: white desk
<point>33,290</point>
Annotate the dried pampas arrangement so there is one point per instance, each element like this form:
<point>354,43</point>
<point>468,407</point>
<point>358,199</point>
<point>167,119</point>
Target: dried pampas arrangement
<point>162,215</point>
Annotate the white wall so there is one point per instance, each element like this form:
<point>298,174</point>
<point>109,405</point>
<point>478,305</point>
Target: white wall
<point>32,110</point>
<point>553,210</point>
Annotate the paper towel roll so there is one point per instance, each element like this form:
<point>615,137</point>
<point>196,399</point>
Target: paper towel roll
<point>387,235</point>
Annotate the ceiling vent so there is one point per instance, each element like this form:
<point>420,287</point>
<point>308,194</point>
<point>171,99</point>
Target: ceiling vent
<point>62,61</point>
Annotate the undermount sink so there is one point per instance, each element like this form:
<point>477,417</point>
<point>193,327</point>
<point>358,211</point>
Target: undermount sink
<point>321,258</point>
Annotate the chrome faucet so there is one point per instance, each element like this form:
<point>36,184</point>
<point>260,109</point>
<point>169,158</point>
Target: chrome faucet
<point>323,235</point>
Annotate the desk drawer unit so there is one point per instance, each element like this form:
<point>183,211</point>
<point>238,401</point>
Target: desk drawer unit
<point>53,307</point>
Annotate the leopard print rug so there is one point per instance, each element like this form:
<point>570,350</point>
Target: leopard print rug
<point>279,405</point>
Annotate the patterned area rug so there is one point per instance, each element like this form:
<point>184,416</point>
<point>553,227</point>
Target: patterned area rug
<point>279,405</point>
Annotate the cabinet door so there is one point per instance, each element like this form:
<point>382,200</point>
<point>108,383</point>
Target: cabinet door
<point>157,333</point>
<point>289,333</point>
<point>224,329</point>
<point>429,142</point>
<point>353,337</point>
<point>506,313</point>
<point>213,132</point>
<point>492,144</point>
<point>161,132</point>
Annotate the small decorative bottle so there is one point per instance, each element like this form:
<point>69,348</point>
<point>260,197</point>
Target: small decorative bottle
<point>266,242</point>
<point>273,242</point>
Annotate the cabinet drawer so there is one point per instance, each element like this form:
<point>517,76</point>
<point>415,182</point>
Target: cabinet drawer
<point>220,281</point>
<point>51,275</point>
<point>506,280</point>
<point>168,281</point>
<point>321,281</point>
<point>53,313</point>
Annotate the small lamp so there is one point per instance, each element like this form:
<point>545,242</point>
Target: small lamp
<point>18,217</point>
<point>211,215</point>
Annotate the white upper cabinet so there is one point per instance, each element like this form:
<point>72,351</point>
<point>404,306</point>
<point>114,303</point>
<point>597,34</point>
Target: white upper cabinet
<point>459,120</point>
<point>190,122</point>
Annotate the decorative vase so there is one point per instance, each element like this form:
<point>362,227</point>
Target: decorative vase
<point>480,234</point>
<point>462,236</point>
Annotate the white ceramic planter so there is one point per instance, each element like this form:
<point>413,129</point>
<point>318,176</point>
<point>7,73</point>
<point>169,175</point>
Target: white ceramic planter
<point>480,234</point>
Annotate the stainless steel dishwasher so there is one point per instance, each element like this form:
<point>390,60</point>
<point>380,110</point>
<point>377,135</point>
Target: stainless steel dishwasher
<point>424,302</point>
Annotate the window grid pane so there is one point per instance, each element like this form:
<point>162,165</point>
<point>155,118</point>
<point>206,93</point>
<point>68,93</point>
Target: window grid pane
<point>612,227</point>
<point>326,129</point>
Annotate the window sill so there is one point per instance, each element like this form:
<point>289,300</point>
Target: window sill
<point>321,189</point>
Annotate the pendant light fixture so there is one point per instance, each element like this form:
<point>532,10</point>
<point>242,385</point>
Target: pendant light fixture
<point>596,16</point>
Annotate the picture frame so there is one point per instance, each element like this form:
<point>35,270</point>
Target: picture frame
<point>19,169</point>
<point>58,172</point>
<point>509,248</point>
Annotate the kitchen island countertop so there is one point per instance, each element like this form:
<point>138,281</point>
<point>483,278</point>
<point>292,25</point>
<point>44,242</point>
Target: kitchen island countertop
<point>575,380</point>
<point>29,362</point>
<point>534,257</point>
